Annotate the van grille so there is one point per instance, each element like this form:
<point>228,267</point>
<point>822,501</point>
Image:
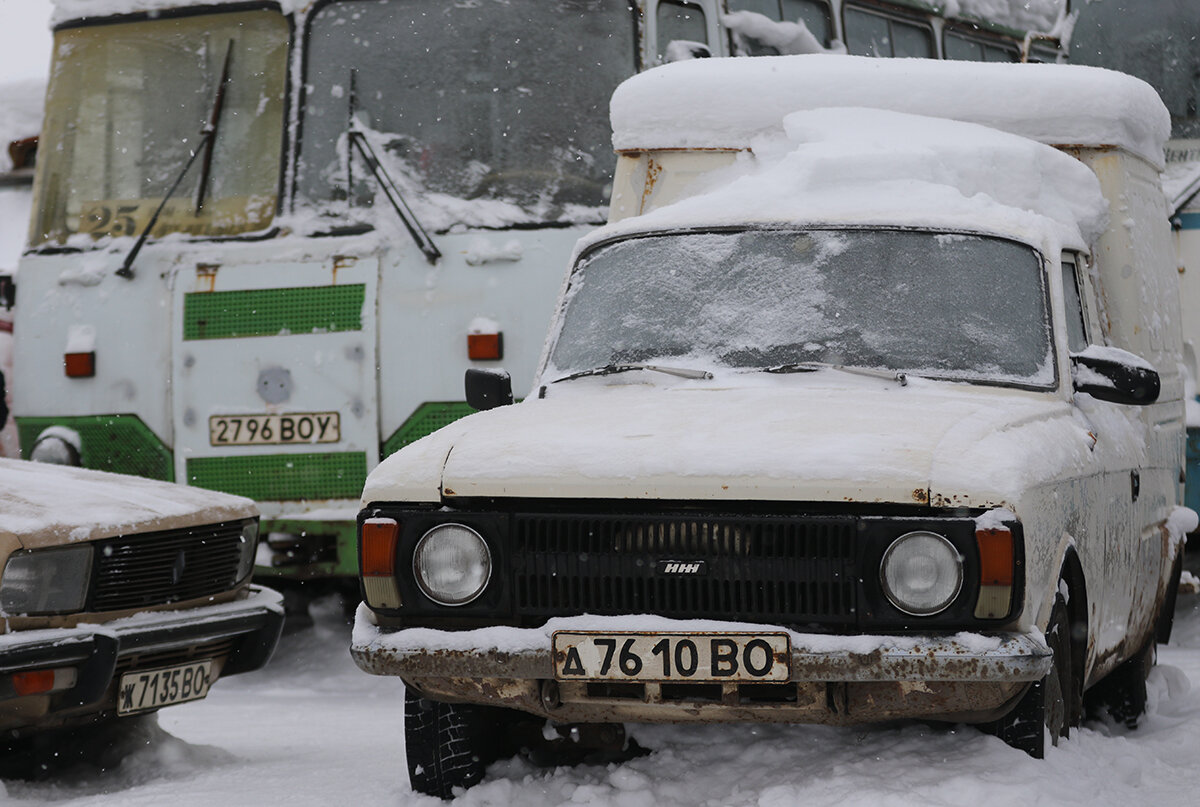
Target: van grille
<point>740,568</point>
<point>138,571</point>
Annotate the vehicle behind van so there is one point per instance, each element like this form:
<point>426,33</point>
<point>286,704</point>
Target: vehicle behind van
<point>865,405</point>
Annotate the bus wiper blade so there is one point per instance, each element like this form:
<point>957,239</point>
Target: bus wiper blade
<point>208,134</point>
<point>214,122</point>
<point>610,369</point>
<point>358,139</point>
<point>813,366</point>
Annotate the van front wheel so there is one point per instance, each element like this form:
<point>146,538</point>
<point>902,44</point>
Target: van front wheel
<point>1048,703</point>
<point>449,745</point>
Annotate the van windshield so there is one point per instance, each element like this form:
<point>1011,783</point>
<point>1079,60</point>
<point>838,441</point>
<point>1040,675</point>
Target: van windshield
<point>935,304</point>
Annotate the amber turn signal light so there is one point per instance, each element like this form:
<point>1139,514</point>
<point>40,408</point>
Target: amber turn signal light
<point>378,539</point>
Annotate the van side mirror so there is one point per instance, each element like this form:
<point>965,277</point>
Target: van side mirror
<point>1115,375</point>
<point>487,389</point>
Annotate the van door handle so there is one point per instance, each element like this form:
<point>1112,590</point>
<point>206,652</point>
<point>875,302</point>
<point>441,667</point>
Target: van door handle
<point>1135,484</point>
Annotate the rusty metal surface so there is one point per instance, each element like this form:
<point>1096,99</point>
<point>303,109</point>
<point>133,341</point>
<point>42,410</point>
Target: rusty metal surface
<point>1016,658</point>
<point>817,703</point>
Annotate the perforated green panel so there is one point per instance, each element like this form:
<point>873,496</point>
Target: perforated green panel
<point>268,312</point>
<point>428,418</point>
<point>282,477</point>
<point>117,443</point>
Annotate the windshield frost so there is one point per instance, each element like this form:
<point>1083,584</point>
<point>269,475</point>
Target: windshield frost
<point>125,108</point>
<point>500,101</point>
<point>953,306</point>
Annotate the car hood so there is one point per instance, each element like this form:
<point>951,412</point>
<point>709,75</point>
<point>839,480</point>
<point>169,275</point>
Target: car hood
<point>822,437</point>
<point>44,505</point>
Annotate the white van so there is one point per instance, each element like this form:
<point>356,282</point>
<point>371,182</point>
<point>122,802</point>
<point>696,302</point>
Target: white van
<point>865,405</point>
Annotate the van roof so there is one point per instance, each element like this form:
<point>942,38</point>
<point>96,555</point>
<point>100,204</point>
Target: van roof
<point>725,103</point>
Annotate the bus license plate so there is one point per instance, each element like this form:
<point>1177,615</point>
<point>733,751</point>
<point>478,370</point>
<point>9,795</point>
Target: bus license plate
<point>671,656</point>
<point>152,689</point>
<point>256,430</point>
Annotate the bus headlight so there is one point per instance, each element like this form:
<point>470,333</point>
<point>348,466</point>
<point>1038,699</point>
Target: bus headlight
<point>921,573</point>
<point>452,564</point>
<point>46,581</point>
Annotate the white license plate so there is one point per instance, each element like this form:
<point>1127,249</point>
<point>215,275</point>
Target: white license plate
<point>151,689</point>
<point>671,656</point>
<point>255,430</point>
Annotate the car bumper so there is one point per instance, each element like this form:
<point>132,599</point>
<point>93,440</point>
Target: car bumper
<point>832,679</point>
<point>245,630</point>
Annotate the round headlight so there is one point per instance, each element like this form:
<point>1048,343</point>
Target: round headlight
<point>452,564</point>
<point>921,573</point>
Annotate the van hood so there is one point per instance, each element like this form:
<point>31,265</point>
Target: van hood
<point>826,437</point>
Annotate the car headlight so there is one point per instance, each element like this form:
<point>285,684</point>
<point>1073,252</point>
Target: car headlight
<point>46,581</point>
<point>248,547</point>
<point>921,573</point>
<point>452,564</point>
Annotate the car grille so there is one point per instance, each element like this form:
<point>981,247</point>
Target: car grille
<point>782,569</point>
<point>137,571</point>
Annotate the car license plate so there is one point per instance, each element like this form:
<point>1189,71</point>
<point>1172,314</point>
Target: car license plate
<point>255,430</point>
<point>151,689</point>
<point>671,656</point>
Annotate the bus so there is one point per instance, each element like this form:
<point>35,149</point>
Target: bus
<point>1155,41</point>
<point>268,238</point>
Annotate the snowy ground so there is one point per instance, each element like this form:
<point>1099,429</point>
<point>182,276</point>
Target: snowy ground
<point>312,730</point>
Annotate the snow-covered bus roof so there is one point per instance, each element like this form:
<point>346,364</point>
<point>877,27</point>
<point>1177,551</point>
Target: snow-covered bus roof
<point>71,10</point>
<point>724,103</point>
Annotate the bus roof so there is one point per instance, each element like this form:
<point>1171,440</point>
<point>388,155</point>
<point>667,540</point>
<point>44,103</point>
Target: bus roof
<point>725,103</point>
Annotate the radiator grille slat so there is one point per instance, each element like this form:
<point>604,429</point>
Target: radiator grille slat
<point>139,571</point>
<point>789,570</point>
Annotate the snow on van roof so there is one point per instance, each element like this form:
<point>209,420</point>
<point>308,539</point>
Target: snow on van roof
<point>869,167</point>
<point>723,103</point>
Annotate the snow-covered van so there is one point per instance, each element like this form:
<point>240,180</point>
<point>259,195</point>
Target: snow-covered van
<point>865,405</point>
<point>120,595</point>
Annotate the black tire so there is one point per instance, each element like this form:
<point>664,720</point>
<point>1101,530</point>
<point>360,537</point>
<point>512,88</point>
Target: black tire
<point>1122,693</point>
<point>1051,702</point>
<point>448,745</point>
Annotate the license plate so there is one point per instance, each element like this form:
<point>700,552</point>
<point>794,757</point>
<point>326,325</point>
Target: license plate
<point>671,656</point>
<point>151,689</point>
<point>255,430</point>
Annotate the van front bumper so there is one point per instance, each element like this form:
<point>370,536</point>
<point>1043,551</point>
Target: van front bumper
<point>243,632</point>
<point>832,679</point>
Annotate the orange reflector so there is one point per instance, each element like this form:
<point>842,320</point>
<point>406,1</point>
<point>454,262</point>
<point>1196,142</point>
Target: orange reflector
<point>995,557</point>
<point>485,346</point>
<point>33,683</point>
<point>80,365</point>
<point>378,542</point>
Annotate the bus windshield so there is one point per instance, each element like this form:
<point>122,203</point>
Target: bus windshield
<point>490,113</point>
<point>126,106</point>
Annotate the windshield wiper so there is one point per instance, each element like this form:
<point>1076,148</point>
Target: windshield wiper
<point>610,369</point>
<point>358,139</point>
<point>813,366</point>
<point>208,135</point>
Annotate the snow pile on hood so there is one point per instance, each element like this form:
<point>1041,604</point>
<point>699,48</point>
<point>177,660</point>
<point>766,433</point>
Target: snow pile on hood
<point>725,103</point>
<point>51,503</point>
<point>874,166</point>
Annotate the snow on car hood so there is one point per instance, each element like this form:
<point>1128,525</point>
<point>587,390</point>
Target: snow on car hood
<point>826,436</point>
<point>43,504</point>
